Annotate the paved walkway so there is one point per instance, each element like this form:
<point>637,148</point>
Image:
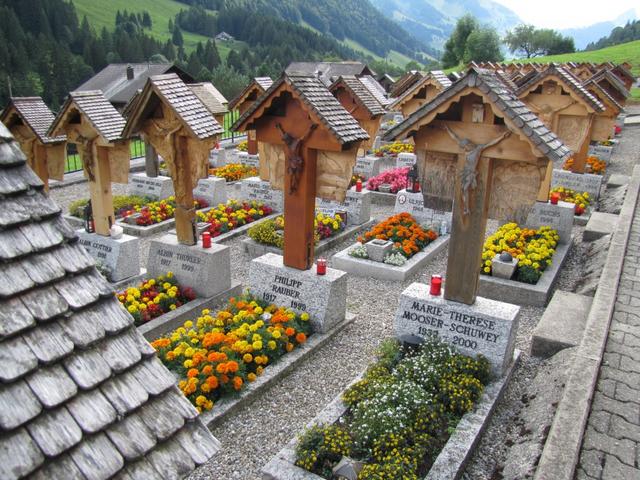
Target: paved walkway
<point>611,445</point>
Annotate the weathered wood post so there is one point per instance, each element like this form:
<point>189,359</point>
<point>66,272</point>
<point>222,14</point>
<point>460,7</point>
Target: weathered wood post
<point>29,119</point>
<point>245,99</point>
<point>480,138</point>
<point>309,149</point>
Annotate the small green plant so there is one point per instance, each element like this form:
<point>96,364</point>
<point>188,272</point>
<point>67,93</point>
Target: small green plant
<point>528,274</point>
<point>121,204</point>
<point>321,447</point>
<point>268,233</point>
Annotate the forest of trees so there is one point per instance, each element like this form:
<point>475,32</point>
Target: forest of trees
<point>628,33</point>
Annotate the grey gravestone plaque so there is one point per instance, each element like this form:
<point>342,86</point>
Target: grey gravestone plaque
<point>487,327</point>
<point>121,256</point>
<point>580,182</point>
<point>249,160</point>
<point>206,270</point>
<point>368,166</point>
<point>323,297</point>
<point>356,204</point>
<point>413,203</point>
<point>212,190</point>
<point>405,159</point>
<point>255,189</point>
<point>603,152</point>
<point>156,188</point>
<point>559,217</point>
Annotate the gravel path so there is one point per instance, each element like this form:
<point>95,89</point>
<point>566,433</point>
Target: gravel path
<point>251,436</point>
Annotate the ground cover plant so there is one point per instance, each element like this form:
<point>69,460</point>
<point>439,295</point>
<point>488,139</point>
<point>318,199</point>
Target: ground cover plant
<point>233,172</point>
<point>233,214</point>
<point>580,200</point>
<point>532,248</point>
<point>271,232</point>
<point>155,297</point>
<point>393,149</point>
<point>400,415</point>
<point>219,353</point>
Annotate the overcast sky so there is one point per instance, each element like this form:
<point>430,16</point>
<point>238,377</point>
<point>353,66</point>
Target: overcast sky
<point>568,13</point>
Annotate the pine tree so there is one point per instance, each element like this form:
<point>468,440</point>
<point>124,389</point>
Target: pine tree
<point>176,38</point>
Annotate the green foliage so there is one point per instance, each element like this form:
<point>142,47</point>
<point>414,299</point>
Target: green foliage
<point>531,42</point>
<point>469,41</point>
<point>266,233</point>
<point>619,35</point>
<point>528,274</point>
<point>120,204</point>
<point>321,447</point>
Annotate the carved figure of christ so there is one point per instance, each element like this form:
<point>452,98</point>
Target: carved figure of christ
<point>295,159</point>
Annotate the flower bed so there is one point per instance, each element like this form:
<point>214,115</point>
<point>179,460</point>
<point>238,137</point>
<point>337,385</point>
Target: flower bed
<point>396,178</point>
<point>393,149</point>
<point>121,205</point>
<point>154,297</point>
<point>271,232</point>
<point>233,214</point>
<point>580,200</point>
<point>233,172</point>
<point>157,212</point>
<point>407,235</point>
<point>243,146</point>
<point>594,165</point>
<point>534,250</point>
<point>218,354</point>
<point>400,414</point>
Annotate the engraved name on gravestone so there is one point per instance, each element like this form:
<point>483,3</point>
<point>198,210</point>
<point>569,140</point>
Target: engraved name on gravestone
<point>323,297</point>
<point>156,188</point>
<point>413,203</point>
<point>211,190</point>
<point>206,270</point>
<point>368,166</point>
<point>356,204</point>
<point>405,159</point>
<point>255,189</point>
<point>580,182</point>
<point>603,152</point>
<point>487,327</point>
<point>249,160</point>
<point>559,217</point>
<point>121,256</point>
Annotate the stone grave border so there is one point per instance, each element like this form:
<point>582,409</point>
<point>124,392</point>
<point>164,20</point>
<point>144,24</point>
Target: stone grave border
<point>381,198</point>
<point>272,374</point>
<point>520,293</point>
<point>142,231</point>
<point>255,249</point>
<point>561,450</point>
<point>449,464</point>
<point>189,311</point>
<point>362,267</point>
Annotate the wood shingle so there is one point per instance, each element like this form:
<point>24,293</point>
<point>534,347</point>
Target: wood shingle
<point>35,114</point>
<point>72,360</point>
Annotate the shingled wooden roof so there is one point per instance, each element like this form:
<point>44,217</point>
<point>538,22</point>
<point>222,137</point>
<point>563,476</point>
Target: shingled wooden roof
<point>375,89</point>
<point>172,91</point>
<point>258,85</point>
<point>360,93</point>
<point>103,116</point>
<point>436,77</point>
<point>506,105</point>
<point>209,96</point>
<point>312,92</point>
<point>613,80</point>
<point>82,394</point>
<point>35,114</point>
<point>568,80</point>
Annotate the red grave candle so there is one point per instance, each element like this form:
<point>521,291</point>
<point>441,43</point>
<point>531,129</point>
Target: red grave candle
<point>206,240</point>
<point>436,285</point>
<point>321,266</point>
<point>358,185</point>
<point>554,198</point>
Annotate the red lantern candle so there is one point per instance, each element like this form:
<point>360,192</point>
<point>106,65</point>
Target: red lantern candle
<point>206,240</point>
<point>358,185</point>
<point>554,198</point>
<point>436,285</point>
<point>416,186</point>
<point>321,266</point>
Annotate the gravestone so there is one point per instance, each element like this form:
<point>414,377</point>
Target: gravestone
<point>356,204</point>
<point>405,159</point>
<point>120,255</point>
<point>206,270</point>
<point>603,152</point>
<point>212,190</point>
<point>259,190</point>
<point>487,327</point>
<point>323,297</point>
<point>248,160</point>
<point>368,166</point>
<point>155,188</point>
<point>413,203</point>
<point>580,182</point>
<point>559,217</point>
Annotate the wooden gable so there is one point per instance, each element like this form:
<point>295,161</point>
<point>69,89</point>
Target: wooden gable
<point>248,95</point>
<point>420,93</point>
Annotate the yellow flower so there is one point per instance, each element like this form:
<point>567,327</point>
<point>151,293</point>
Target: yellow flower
<point>304,316</point>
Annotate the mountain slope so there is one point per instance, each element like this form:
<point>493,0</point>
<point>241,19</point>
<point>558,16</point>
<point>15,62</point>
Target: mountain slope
<point>583,36</point>
<point>432,21</point>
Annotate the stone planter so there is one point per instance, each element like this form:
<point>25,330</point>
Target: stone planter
<point>378,249</point>
<point>385,188</point>
<point>503,268</point>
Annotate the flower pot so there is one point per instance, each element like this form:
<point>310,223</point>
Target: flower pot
<point>385,188</point>
<point>378,249</point>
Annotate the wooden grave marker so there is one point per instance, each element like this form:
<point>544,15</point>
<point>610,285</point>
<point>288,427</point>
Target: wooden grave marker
<point>183,131</point>
<point>95,126</point>
<point>420,93</point>
<point>308,145</point>
<point>245,99</point>
<point>28,119</point>
<point>496,163</point>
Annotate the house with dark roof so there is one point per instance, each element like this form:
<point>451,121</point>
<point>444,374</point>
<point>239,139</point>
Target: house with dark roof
<point>421,92</point>
<point>119,82</point>
<point>83,394</point>
<point>328,72</point>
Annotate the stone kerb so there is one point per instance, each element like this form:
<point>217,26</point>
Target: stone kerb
<point>487,327</point>
<point>363,267</point>
<point>323,297</point>
<point>155,188</point>
<point>120,256</point>
<point>521,293</point>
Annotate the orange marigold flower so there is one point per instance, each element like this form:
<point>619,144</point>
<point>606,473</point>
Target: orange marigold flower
<point>290,331</point>
<point>237,382</point>
<point>207,370</point>
<point>192,372</point>
<point>222,368</point>
<point>232,366</point>
<point>161,343</point>
<point>301,337</point>
<point>224,379</point>
<point>289,347</point>
<point>212,381</point>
